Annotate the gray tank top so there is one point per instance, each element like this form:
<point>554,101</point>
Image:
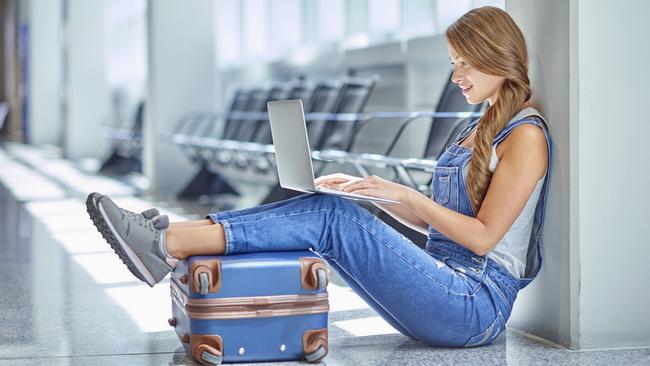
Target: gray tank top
<point>511,250</point>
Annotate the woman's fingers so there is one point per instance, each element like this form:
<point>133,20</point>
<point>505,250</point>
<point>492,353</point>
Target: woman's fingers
<point>355,186</point>
<point>329,177</point>
<point>334,179</point>
<point>330,181</point>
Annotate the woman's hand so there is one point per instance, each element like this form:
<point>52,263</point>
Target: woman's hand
<point>333,181</point>
<point>375,186</point>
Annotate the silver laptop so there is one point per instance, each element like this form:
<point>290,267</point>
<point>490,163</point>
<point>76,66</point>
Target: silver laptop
<point>292,153</point>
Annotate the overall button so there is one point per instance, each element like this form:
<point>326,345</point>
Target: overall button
<point>477,270</point>
<point>477,260</point>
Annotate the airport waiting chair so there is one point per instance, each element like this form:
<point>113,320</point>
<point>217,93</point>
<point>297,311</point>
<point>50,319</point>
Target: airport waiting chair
<point>320,102</point>
<point>354,95</point>
<point>189,133</point>
<point>262,163</point>
<point>4,112</point>
<point>323,99</point>
<point>239,129</point>
<point>317,104</point>
<point>126,155</point>
<point>192,129</point>
<point>259,131</point>
<point>452,115</point>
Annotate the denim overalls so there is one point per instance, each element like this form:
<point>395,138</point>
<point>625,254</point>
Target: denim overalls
<point>450,190</point>
<point>442,296</point>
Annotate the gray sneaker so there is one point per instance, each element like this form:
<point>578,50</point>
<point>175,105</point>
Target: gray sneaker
<point>133,237</point>
<point>91,204</point>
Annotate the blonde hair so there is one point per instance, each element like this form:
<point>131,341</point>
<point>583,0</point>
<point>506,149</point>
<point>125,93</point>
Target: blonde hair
<point>490,41</point>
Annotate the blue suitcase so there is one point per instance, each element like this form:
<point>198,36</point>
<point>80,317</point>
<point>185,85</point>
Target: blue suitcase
<point>251,307</point>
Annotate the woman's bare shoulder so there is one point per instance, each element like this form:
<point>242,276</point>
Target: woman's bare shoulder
<point>527,144</point>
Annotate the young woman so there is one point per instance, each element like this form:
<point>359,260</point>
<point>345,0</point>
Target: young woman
<point>483,221</point>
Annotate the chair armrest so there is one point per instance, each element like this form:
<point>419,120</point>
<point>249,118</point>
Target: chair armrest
<point>344,157</point>
<point>333,155</point>
<point>420,164</point>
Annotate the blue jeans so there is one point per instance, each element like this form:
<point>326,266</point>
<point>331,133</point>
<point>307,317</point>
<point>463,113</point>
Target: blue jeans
<point>418,294</point>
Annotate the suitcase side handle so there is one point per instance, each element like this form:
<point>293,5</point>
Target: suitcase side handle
<point>313,273</point>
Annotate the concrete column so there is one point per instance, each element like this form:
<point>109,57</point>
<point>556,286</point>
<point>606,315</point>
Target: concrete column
<point>87,91</point>
<point>592,292</point>
<point>612,230</point>
<point>45,68</point>
<point>181,79</point>
<point>544,307</point>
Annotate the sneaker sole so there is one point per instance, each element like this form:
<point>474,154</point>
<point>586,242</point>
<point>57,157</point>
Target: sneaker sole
<point>126,254</point>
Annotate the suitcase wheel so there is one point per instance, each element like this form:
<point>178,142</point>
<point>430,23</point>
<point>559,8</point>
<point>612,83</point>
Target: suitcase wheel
<point>313,273</point>
<point>319,353</point>
<point>204,283</point>
<point>321,274</point>
<point>209,355</point>
<point>314,344</point>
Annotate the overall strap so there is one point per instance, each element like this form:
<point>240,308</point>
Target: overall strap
<point>526,115</point>
<point>466,131</point>
<point>534,256</point>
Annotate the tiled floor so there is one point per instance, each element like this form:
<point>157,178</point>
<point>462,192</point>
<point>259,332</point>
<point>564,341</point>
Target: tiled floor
<point>66,299</point>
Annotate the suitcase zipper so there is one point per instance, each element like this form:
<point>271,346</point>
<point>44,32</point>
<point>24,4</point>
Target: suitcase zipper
<point>250,307</point>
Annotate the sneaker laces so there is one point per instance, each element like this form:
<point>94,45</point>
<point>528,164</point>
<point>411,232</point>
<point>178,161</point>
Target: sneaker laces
<point>141,220</point>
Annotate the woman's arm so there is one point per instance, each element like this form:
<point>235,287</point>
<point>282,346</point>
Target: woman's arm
<point>401,213</point>
<point>405,215</point>
<point>522,162</point>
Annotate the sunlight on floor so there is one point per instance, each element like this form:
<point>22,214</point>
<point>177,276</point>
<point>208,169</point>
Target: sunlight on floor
<point>343,298</point>
<point>365,326</point>
<point>105,268</point>
<point>149,308</point>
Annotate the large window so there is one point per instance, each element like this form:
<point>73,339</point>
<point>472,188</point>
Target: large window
<point>228,28</point>
<point>256,29</point>
<point>285,26</point>
<point>331,20</point>
<point>261,30</point>
<point>384,18</point>
<point>418,18</point>
<point>125,43</point>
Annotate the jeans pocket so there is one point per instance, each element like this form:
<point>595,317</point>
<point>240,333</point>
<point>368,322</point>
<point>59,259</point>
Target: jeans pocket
<point>493,330</point>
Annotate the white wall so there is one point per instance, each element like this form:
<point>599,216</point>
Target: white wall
<point>181,69</point>
<point>591,83</point>
<point>612,163</point>
<point>45,68</point>
<point>87,91</point>
<point>544,307</point>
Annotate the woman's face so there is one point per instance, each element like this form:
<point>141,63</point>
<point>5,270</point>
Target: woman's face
<point>475,85</point>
